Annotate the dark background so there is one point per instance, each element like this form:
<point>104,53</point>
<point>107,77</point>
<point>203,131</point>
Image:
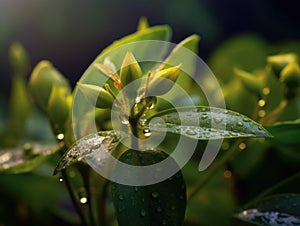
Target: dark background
<point>71,33</point>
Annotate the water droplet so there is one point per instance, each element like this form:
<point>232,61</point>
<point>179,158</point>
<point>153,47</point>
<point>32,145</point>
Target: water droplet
<point>143,121</point>
<point>143,212</point>
<point>147,132</point>
<point>203,109</point>
<point>151,106</point>
<point>203,117</point>
<point>242,146</point>
<point>60,136</point>
<point>173,208</point>
<point>227,174</point>
<point>246,119</point>
<point>196,110</point>
<point>155,194</point>
<point>83,200</point>
<point>218,120</point>
<point>136,188</point>
<point>266,91</point>
<point>61,179</point>
<point>158,209</point>
<point>180,197</point>
<point>138,100</point>
<point>191,132</point>
<point>212,130</point>
<point>261,113</point>
<point>164,222</point>
<point>225,145</point>
<point>121,197</point>
<point>239,124</point>
<point>261,102</point>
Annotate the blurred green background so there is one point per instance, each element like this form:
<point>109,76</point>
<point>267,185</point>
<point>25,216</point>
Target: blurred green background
<point>71,33</point>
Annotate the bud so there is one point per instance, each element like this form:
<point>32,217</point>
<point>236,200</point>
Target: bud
<point>290,75</point>
<point>143,24</point>
<point>250,81</point>
<point>97,95</point>
<point>129,72</point>
<point>162,81</point>
<point>43,77</point>
<point>59,106</point>
<point>278,62</point>
<point>19,59</point>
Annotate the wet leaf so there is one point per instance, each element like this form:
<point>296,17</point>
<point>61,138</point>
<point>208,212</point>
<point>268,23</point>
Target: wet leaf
<point>21,160</point>
<point>96,146</point>
<point>283,209</point>
<point>204,123</point>
<point>285,133</point>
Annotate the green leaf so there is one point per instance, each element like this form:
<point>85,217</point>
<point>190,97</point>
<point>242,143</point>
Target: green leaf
<point>204,123</point>
<point>283,209</point>
<point>181,55</point>
<point>26,159</point>
<point>93,148</point>
<point>161,203</point>
<point>285,133</point>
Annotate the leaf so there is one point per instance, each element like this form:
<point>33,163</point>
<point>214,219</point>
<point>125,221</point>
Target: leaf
<point>285,133</point>
<point>26,159</point>
<point>204,123</point>
<point>244,51</point>
<point>96,146</point>
<point>283,209</point>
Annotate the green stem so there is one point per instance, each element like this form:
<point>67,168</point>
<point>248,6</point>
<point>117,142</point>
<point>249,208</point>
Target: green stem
<point>212,170</point>
<point>73,197</point>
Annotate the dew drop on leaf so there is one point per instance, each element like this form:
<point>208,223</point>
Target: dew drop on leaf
<point>83,200</point>
<point>147,132</point>
<point>218,120</point>
<point>239,124</point>
<point>266,91</point>
<point>60,136</point>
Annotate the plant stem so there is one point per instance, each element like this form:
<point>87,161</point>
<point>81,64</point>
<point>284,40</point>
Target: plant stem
<point>73,198</point>
<point>212,170</point>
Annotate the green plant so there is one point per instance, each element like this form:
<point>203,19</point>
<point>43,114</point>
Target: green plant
<point>104,100</point>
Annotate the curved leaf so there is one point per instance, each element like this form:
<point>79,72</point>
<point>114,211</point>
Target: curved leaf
<point>97,145</point>
<point>26,159</point>
<point>285,133</point>
<point>283,209</point>
<point>204,123</point>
